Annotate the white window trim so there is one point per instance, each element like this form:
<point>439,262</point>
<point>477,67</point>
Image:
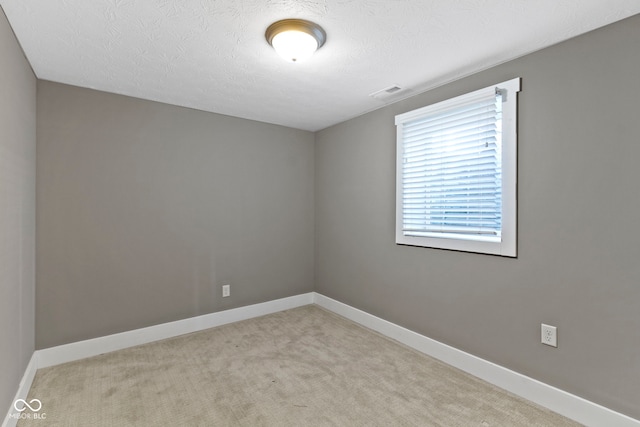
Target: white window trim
<point>507,246</point>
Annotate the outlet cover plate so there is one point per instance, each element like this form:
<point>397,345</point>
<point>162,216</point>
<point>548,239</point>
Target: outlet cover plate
<point>549,335</point>
<point>226,290</point>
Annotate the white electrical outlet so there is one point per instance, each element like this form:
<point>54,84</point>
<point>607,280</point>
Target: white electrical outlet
<point>549,335</point>
<point>226,290</point>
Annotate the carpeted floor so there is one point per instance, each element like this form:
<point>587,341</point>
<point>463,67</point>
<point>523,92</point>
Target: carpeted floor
<point>300,367</point>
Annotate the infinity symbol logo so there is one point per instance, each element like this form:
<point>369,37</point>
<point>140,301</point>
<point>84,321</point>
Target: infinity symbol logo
<point>26,405</point>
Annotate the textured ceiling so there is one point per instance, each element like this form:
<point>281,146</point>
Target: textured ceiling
<point>211,55</point>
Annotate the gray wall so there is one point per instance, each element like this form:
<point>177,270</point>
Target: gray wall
<point>144,209</point>
<point>578,264</point>
<point>17,213</point>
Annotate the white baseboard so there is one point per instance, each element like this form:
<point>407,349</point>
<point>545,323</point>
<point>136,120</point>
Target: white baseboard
<point>93,347</point>
<point>23,390</point>
<point>567,404</point>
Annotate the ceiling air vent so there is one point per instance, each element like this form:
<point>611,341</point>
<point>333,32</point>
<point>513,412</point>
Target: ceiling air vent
<point>387,93</point>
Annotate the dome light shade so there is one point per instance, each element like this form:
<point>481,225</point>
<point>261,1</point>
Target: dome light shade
<point>295,39</point>
<point>294,45</point>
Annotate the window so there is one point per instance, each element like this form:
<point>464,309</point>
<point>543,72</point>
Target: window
<point>456,173</point>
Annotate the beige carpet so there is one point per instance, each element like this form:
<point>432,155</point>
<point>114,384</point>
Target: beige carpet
<point>301,367</point>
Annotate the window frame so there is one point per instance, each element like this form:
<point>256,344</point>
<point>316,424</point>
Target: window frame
<point>507,245</point>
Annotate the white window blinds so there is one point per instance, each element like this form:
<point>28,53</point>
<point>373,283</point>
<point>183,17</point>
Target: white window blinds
<point>456,172</point>
<point>451,170</point>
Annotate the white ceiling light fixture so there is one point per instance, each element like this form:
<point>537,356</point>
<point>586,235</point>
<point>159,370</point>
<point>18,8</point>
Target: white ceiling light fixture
<point>295,39</point>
